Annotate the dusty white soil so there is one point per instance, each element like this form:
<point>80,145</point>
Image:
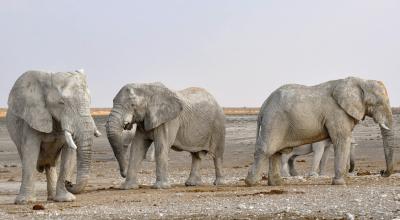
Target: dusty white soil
<point>364,197</point>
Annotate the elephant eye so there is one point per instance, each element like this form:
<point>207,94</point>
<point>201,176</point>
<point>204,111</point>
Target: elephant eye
<point>61,102</point>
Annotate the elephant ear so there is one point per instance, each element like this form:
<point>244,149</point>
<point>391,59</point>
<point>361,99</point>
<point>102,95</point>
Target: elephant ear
<point>349,94</point>
<point>163,105</point>
<point>26,100</point>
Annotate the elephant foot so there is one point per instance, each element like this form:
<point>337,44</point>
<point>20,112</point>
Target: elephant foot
<point>50,197</point>
<point>161,185</point>
<point>129,185</point>
<point>64,197</point>
<point>251,181</point>
<point>22,199</point>
<point>275,181</point>
<point>386,173</point>
<point>322,174</point>
<point>193,181</point>
<point>338,181</point>
<point>313,174</point>
<point>219,181</point>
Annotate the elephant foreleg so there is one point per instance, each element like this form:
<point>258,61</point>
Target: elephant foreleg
<point>342,151</point>
<point>139,148</point>
<point>352,157</point>
<point>30,150</point>
<point>194,177</point>
<point>164,137</point>
<point>51,176</point>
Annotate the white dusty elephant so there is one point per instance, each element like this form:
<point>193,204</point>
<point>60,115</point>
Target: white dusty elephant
<point>295,115</point>
<point>320,152</point>
<point>46,113</point>
<point>188,120</point>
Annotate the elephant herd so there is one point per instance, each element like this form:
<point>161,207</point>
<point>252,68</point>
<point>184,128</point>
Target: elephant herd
<point>49,117</point>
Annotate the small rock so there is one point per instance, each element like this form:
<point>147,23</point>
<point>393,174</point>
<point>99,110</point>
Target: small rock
<point>241,206</point>
<point>349,216</point>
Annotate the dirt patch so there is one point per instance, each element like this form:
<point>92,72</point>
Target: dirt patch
<point>271,192</point>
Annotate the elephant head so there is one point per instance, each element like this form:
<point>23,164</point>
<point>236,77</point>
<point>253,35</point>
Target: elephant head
<point>147,105</point>
<point>360,98</point>
<point>58,102</point>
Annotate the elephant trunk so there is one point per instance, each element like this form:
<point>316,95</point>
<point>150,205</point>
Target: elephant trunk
<point>388,144</point>
<point>114,128</point>
<point>83,138</point>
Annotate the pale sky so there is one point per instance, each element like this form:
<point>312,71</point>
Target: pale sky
<point>240,51</point>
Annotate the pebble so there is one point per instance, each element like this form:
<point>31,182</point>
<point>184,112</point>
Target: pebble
<point>349,216</point>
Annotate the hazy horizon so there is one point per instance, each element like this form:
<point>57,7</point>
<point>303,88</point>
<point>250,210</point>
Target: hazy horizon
<point>240,51</point>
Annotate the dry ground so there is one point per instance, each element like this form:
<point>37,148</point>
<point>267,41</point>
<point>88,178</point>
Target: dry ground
<point>366,196</point>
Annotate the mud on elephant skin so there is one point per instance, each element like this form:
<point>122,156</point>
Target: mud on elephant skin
<point>188,120</point>
<point>320,152</point>
<point>295,115</point>
<point>48,115</point>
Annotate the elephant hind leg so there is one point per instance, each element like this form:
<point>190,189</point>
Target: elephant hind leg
<point>292,169</point>
<point>194,177</point>
<point>218,160</point>
<point>274,173</point>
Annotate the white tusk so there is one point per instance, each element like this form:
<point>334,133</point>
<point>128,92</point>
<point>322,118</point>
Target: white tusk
<point>70,141</point>
<point>384,126</point>
<point>97,133</point>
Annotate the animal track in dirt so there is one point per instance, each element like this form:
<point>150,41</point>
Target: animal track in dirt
<point>271,192</point>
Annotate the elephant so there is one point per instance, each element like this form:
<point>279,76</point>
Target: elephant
<point>48,115</point>
<point>187,120</point>
<point>321,150</point>
<point>295,115</point>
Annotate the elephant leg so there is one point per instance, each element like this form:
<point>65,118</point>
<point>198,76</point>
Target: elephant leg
<point>285,166</point>
<point>164,137</point>
<point>352,157</point>
<point>67,164</point>
<point>324,160</point>
<point>254,175</point>
<point>194,177</point>
<point>51,176</point>
<point>139,148</point>
<point>318,149</point>
<point>292,169</point>
<point>263,150</point>
<point>274,176</point>
<point>342,151</point>
<point>30,150</point>
<point>218,171</point>
<point>150,153</point>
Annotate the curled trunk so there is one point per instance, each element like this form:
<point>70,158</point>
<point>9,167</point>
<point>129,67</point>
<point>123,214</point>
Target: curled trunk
<point>114,128</point>
<point>84,140</point>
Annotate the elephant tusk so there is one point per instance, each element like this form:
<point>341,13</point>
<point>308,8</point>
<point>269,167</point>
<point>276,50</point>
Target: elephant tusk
<point>70,141</point>
<point>97,133</point>
<point>384,126</point>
